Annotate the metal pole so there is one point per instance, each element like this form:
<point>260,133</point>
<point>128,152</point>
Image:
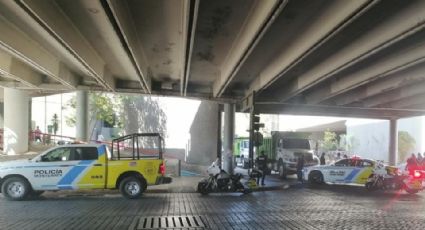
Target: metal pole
<point>251,137</point>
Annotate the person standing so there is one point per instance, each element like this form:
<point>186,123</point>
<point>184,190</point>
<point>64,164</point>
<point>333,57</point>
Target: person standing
<point>338,156</point>
<point>322,159</point>
<point>419,159</point>
<point>262,165</point>
<point>411,163</point>
<point>300,166</point>
<point>37,134</point>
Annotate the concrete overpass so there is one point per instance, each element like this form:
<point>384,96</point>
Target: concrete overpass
<point>360,58</point>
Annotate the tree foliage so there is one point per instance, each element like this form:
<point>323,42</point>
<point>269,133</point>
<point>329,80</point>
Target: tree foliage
<point>130,113</point>
<point>406,144</point>
<point>330,141</point>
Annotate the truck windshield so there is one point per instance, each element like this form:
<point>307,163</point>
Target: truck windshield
<point>295,144</point>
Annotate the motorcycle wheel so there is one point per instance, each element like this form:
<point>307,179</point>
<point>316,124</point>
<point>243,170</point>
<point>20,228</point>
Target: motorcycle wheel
<point>203,188</point>
<point>247,191</point>
<point>412,191</point>
<point>370,187</point>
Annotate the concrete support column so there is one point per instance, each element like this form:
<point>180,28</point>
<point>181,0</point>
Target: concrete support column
<point>229,133</point>
<point>82,115</point>
<point>393,144</point>
<point>16,117</point>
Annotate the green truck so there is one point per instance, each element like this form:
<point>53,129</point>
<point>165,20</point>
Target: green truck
<point>283,150</point>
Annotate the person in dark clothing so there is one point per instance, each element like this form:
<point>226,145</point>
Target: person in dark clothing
<point>322,159</point>
<point>300,166</point>
<point>262,165</point>
<point>411,163</point>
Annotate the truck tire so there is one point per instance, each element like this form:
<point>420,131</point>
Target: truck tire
<point>281,168</point>
<point>132,187</point>
<point>15,188</point>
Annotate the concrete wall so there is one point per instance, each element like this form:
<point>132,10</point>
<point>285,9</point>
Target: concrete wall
<point>202,146</point>
<point>371,139</point>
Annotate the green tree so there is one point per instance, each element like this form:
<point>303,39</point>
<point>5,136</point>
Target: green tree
<point>406,144</point>
<point>55,123</point>
<point>330,141</point>
<point>131,113</point>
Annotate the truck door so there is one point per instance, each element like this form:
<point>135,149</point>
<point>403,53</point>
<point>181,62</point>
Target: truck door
<point>91,167</point>
<point>49,172</point>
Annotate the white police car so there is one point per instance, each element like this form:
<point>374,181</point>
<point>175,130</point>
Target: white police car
<point>345,171</point>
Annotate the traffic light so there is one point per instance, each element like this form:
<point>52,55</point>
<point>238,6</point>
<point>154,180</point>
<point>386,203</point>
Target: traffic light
<point>256,123</point>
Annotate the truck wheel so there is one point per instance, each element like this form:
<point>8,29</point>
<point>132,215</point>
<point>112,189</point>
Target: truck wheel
<point>15,188</point>
<point>132,187</point>
<point>282,169</point>
<point>315,178</point>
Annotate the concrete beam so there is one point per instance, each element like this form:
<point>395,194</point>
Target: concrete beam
<point>190,32</point>
<point>121,16</point>
<point>48,14</point>
<point>22,47</point>
<point>337,111</point>
<point>389,65</point>
<point>407,22</point>
<point>47,87</point>
<point>261,16</point>
<point>385,99</point>
<point>406,102</point>
<point>337,16</point>
<point>401,79</point>
<point>14,69</point>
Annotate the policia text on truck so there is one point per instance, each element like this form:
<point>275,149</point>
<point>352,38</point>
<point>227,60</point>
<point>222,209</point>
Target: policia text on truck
<point>135,161</point>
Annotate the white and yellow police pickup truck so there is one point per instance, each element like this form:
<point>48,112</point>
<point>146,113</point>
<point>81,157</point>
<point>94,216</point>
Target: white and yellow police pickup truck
<point>137,163</point>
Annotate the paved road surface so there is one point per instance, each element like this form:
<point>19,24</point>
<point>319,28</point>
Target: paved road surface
<point>327,207</point>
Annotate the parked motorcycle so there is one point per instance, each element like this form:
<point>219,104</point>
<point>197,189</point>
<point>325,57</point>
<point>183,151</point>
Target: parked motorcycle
<point>220,181</point>
<point>383,178</point>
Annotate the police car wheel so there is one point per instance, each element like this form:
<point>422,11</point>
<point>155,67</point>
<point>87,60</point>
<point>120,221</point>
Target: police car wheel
<point>315,177</point>
<point>132,187</point>
<point>15,188</point>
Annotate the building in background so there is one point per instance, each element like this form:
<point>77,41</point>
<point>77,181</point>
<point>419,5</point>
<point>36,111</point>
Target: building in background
<point>370,138</point>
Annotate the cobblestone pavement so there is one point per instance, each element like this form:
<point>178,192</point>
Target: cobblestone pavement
<point>327,207</point>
